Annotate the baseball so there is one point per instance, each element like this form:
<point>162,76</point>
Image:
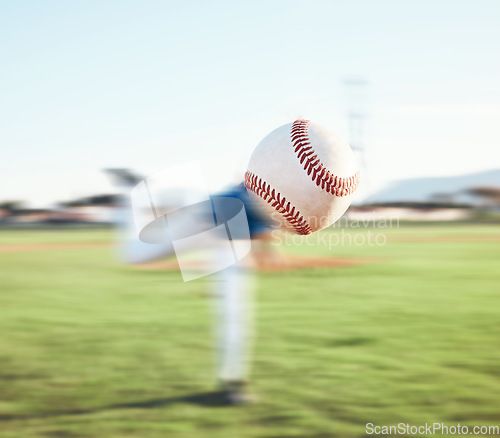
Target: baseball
<point>303,175</point>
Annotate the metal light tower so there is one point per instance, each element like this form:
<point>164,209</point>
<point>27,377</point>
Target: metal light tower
<point>356,91</point>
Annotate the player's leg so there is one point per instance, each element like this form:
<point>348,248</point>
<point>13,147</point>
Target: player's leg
<point>234,330</point>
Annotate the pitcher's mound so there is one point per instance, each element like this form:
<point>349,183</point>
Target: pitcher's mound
<point>291,262</point>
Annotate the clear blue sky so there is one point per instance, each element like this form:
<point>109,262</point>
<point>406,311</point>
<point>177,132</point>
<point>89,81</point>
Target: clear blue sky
<point>146,84</point>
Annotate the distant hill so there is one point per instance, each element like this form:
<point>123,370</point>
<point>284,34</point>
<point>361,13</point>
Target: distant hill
<point>425,189</point>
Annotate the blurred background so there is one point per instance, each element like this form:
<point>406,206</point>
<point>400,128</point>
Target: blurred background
<point>414,87</point>
<point>404,331</point>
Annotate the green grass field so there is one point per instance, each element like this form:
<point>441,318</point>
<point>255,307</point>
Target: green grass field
<point>89,348</point>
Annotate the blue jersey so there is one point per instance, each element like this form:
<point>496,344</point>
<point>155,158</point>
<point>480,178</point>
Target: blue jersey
<point>256,222</point>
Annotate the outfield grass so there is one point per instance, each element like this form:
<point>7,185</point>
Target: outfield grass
<point>89,348</point>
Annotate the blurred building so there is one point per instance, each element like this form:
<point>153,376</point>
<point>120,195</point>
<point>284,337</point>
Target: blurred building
<point>434,199</point>
<point>408,211</point>
<point>98,209</point>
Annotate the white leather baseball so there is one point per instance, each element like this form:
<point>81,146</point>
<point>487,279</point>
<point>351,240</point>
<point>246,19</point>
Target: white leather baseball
<point>303,175</point>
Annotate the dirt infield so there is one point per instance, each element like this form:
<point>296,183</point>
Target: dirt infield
<point>486,238</point>
<point>285,262</point>
<point>291,262</point>
<point>274,263</point>
<point>22,247</point>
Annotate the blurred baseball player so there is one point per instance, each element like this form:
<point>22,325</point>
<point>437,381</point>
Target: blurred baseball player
<point>232,288</point>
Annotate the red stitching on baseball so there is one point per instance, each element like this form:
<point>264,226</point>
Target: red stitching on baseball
<point>334,185</point>
<point>279,203</point>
